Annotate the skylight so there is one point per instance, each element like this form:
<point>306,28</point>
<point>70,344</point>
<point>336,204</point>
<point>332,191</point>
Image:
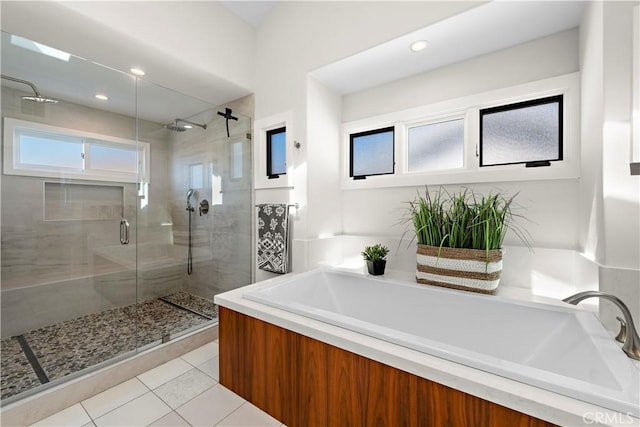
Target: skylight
<point>40,48</point>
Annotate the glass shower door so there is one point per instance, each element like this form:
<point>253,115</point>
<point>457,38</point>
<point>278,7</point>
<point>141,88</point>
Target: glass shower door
<point>69,176</point>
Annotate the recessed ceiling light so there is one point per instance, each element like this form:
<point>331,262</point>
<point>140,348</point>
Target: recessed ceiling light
<point>137,71</point>
<point>101,97</point>
<point>419,45</point>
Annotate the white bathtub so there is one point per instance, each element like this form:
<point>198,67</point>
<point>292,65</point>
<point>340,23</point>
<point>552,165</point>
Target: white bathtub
<point>563,350</point>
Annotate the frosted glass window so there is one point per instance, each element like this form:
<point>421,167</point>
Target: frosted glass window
<point>196,175</point>
<point>276,152</point>
<point>236,160</point>
<point>113,158</point>
<point>436,146</point>
<point>372,152</point>
<point>526,132</point>
<point>51,151</point>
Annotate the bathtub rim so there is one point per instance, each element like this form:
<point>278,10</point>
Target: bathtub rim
<point>548,405</point>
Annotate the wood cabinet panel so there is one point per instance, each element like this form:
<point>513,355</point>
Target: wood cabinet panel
<point>306,383</point>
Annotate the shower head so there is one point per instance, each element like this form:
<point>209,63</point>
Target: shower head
<point>175,126</point>
<point>40,99</point>
<point>37,98</point>
<point>189,194</point>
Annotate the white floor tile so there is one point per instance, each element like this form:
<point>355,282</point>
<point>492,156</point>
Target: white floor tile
<point>210,407</point>
<point>139,412</point>
<point>201,354</point>
<point>72,416</point>
<point>184,388</point>
<point>165,372</point>
<point>249,415</point>
<point>114,397</point>
<point>211,368</point>
<point>171,420</point>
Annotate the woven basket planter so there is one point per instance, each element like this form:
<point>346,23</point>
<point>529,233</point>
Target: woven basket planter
<point>466,269</point>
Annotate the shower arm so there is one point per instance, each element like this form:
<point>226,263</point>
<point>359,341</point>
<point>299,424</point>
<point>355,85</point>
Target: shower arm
<point>31,85</point>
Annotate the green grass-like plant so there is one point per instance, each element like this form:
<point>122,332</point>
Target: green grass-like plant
<point>376,252</point>
<point>463,220</point>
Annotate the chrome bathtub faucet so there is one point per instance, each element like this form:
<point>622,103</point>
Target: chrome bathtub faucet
<point>631,341</point>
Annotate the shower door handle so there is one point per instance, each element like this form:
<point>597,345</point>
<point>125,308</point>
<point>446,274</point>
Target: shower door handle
<point>124,232</point>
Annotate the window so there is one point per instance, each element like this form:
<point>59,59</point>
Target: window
<point>276,152</point>
<point>274,156</point>
<point>436,146</point>
<point>371,153</point>
<point>527,132</point>
<point>196,176</point>
<point>500,135</point>
<point>118,158</point>
<point>35,149</point>
<point>236,160</point>
<point>39,149</point>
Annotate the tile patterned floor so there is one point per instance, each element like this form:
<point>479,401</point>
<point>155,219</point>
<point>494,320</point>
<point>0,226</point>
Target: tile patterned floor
<point>20,376</point>
<point>182,392</point>
<point>76,344</point>
<point>194,303</point>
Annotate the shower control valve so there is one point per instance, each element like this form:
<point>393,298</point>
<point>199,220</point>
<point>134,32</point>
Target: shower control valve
<point>204,207</point>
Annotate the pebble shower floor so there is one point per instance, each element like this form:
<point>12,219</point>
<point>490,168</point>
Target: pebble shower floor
<point>67,347</point>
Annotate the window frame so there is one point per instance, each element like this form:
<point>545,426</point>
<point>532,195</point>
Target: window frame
<point>13,166</point>
<point>368,133</point>
<point>534,102</point>
<point>269,138</point>
<point>260,129</point>
<point>468,108</point>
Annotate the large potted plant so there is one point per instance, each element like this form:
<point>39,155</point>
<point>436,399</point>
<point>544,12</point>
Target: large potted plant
<point>376,258</point>
<point>460,238</point>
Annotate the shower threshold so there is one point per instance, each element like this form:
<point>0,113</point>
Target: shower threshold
<point>65,350</point>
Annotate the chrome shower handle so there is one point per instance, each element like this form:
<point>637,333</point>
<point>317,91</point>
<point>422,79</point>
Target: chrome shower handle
<point>124,231</point>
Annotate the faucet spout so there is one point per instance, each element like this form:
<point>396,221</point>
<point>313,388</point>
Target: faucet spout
<point>631,344</point>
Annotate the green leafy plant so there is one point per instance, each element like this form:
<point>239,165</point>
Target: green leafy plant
<point>463,220</point>
<point>376,252</point>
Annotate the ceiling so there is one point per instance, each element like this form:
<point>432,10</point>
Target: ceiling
<point>483,29</point>
<point>251,12</point>
<point>480,30</point>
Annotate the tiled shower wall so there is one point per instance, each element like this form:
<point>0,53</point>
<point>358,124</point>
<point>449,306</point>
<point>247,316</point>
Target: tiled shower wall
<point>221,239</point>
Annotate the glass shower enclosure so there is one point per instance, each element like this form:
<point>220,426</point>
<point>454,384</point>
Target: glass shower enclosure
<point>121,217</point>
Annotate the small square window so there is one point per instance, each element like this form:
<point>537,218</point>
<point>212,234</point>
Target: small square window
<point>527,132</point>
<point>276,152</point>
<point>371,153</point>
<point>436,146</point>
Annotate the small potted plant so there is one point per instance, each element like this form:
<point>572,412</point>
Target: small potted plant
<point>376,258</point>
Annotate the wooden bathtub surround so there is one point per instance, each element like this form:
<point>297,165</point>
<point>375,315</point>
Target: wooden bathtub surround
<point>305,383</point>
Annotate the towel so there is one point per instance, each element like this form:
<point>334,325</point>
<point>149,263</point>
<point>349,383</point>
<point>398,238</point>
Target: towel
<point>273,238</point>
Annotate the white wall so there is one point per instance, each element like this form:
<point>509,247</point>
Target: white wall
<point>621,191</point>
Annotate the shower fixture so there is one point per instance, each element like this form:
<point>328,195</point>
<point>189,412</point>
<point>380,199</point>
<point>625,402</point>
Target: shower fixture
<point>228,115</point>
<point>176,125</point>
<point>37,98</point>
<point>190,209</point>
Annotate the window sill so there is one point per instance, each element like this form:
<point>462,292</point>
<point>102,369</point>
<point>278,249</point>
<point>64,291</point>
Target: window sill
<point>511,173</point>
